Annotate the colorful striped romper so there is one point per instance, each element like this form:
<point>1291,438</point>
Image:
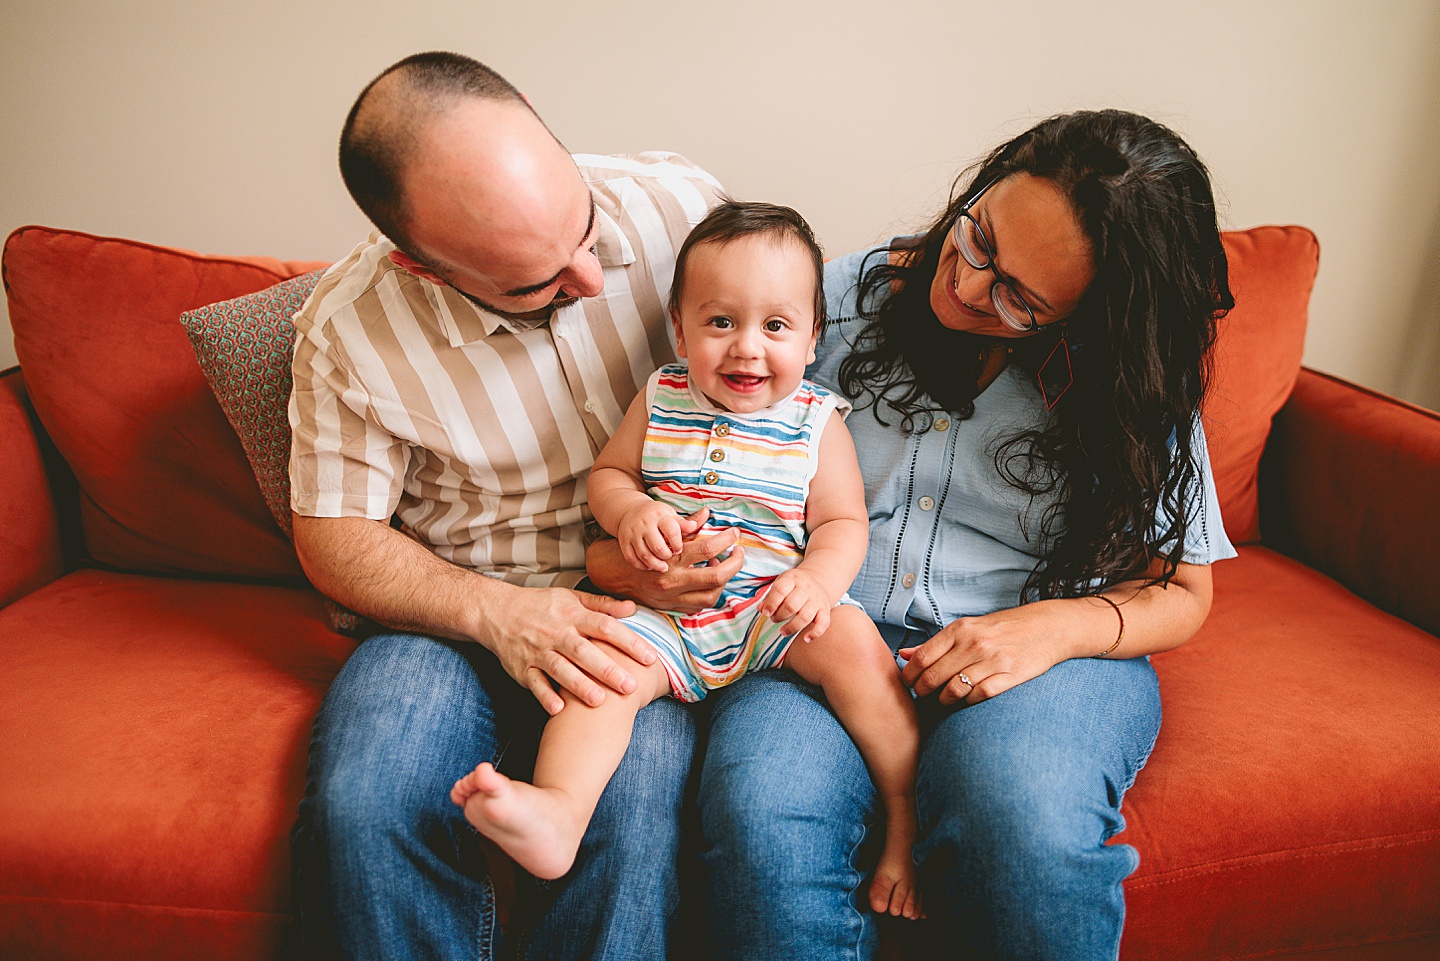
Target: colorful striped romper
<point>753,471</point>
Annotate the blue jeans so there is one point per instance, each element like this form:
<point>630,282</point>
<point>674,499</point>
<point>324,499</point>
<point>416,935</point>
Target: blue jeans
<point>387,867</point>
<point>1017,797</point>
<point>785,806</point>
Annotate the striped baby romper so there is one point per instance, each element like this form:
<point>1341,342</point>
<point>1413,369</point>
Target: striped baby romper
<point>753,471</point>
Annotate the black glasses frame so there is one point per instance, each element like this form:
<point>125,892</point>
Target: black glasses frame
<point>989,264</point>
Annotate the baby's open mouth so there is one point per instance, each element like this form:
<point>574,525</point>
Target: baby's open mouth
<point>744,381</point>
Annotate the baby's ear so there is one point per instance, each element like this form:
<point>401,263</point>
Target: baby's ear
<point>680,333</point>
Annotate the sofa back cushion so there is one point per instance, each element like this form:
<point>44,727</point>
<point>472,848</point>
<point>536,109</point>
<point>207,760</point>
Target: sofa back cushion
<point>1256,360</point>
<point>164,484</point>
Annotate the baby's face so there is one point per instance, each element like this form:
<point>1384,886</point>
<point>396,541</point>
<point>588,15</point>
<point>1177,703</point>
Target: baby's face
<point>746,320</point>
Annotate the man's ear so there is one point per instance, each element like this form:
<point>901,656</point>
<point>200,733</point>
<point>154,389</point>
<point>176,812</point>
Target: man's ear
<point>410,265</point>
<point>679,332</point>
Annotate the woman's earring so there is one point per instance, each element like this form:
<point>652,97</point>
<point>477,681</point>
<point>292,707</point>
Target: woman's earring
<point>1056,375</point>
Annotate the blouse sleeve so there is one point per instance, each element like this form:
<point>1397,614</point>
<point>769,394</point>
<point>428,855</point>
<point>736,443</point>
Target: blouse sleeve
<point>1205,538</point>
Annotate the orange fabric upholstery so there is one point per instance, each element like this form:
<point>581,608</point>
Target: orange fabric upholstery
<point>1290,803</point>
<point>1256,359</point>
<point>1386,549</point>
<point>30,555</point>
<point>155,736</point>
<point>164,484</point>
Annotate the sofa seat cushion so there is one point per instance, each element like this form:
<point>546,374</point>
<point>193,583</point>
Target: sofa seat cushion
<point>152,753</point>
<point>1291,800</point>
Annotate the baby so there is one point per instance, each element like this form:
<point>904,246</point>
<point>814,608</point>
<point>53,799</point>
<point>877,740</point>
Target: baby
<point>741,433</point>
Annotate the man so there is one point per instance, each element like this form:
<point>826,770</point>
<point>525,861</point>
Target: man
<point>459,371</point>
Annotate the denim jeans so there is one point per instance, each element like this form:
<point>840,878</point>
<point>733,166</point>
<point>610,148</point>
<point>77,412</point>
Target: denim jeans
<point>387,867</point>
<point>1017,796</point>
<point>785,806</point>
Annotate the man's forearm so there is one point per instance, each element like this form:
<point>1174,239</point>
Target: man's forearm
<point>388,577</point>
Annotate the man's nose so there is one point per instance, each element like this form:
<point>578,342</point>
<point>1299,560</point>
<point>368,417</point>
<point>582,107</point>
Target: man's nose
<point>584,278</point>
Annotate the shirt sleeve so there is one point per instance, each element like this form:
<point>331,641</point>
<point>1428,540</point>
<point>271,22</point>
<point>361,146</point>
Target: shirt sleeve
<point>342,462</point>
<point>1205,539</point>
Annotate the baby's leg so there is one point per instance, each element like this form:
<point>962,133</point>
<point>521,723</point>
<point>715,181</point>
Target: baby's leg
<point>541,825</point>
<point>858,674</point>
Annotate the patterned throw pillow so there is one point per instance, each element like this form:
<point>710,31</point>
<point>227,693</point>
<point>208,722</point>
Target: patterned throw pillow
<point>244,347</point>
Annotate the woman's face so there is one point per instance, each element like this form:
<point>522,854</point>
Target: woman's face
<point>1039,247</point>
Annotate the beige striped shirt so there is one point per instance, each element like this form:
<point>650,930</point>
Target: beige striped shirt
<point>477,432</point>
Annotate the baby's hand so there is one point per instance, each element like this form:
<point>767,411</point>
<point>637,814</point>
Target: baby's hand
<point>650,535</point>
<point>798,600</point>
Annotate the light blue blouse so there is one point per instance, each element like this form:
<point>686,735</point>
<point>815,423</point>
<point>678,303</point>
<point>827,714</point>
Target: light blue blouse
<point>949,536</point>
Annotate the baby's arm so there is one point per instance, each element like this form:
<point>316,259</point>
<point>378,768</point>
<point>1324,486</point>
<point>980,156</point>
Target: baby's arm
<point>648,531</point>
<point>838,532</point>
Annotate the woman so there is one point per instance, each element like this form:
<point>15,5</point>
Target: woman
<point>1027,378</point>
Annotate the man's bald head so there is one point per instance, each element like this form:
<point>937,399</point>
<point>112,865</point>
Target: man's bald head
<point>389,121</point>
<point>452,165</point>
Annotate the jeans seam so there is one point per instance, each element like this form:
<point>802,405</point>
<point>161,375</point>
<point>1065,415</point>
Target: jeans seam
<point>485,944</point>
<point>853,894</point>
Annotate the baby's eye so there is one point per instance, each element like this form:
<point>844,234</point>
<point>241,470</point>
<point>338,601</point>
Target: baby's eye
<point>775,325</point>
<point>721,323</point>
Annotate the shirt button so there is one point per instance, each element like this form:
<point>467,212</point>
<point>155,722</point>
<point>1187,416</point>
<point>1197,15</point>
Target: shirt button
<point>722,430</point>
<point>559,331</point>
<point>717,455</point>
<point>712,478</point>
<point>590,409</point>
<point>942,424</point>
<point>926,503</point>
<point>908,580</point>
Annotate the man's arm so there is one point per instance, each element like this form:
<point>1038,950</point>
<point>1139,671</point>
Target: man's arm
<point>537,633</point>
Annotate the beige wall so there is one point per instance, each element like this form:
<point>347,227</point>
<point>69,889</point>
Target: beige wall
<point>212,125</point>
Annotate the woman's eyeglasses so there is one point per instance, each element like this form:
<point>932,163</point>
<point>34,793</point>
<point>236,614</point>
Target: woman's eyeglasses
<point>978,252</point>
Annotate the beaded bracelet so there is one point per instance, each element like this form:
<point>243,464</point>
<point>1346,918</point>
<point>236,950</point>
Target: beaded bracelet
<point>1112,647</point>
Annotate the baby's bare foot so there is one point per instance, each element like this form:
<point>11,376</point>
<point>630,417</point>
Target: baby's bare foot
<point>894,890</point>
<point>535,826</point>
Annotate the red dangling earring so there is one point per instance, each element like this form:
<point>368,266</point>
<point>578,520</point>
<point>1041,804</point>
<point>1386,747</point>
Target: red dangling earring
<point>1056,375</point>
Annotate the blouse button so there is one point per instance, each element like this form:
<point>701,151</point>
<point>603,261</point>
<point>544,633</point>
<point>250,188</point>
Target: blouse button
<point>717,455</point>
<point>942,424</point>
<point>722,430</point>
<point>712,478</point>
<point>908,580</point>
<point>926,503</point>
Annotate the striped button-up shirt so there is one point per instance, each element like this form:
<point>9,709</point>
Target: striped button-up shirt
<point>476,431</point>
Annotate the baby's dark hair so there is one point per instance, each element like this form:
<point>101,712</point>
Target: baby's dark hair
<point>731,220</point>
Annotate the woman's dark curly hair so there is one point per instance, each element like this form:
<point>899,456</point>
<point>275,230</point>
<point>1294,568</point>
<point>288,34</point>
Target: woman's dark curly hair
<point>1116,452</point>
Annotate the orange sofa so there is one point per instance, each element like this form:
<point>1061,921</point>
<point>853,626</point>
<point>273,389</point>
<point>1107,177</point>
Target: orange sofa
<point>161,657</point>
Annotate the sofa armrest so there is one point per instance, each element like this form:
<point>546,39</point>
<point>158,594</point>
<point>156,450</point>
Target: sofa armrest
<point>1351,486</point>
<point>31,549</point>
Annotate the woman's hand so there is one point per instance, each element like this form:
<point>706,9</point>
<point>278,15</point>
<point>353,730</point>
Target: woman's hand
<point>997,651</point>
<point>975,658</point>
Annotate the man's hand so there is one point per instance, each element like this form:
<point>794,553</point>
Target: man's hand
<point>800,602</point>
<point>540,634</point>
<point>537,633</point>
<point>650,535</point>
<point>695,576</point>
